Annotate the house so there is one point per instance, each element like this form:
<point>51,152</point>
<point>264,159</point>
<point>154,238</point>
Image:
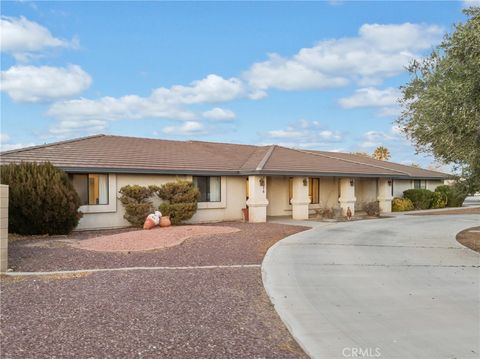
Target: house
<point>268,180</point>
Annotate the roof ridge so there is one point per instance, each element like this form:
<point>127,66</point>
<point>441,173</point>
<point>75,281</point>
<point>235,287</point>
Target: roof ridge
<point>265,158</point>
<point>52,144</point>
<point>350,161</point>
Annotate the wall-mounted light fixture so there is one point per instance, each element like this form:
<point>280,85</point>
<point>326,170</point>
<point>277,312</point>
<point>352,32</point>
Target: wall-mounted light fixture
<point>390,182</point>
<point>262,183</point>
<point>352,182</point>
<point>305,182</point>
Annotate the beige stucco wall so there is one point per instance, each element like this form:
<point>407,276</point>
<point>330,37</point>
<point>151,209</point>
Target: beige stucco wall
<point>431,185</point>
<point>277,195</point>
<point>365,191</point>
<point>3,228</point>
<point>111,216</point>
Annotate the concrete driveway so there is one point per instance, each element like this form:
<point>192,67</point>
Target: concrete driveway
<point>391,288</point>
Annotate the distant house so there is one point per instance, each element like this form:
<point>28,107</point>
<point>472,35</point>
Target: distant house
<point>268,180</point>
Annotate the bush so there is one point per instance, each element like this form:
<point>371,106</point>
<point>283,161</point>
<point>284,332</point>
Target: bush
<point>372,208</point>
<point>137,204</point>
<point>42,199</point>
<point>401,205</point>
<point>455,194</point>
<point>421,198</point>
<point>439,200</point>
<point>180,200</point>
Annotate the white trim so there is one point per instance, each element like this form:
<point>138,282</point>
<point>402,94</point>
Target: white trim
<point>112,199</point>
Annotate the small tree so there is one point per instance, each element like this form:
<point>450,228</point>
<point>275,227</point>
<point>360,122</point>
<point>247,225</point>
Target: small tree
<point>180,200</point>
<point>41,200</point>
<point>381,153</point>
<point>137,204</point>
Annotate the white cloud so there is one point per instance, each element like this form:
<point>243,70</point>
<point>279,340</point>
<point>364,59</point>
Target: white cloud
<point>4,137</point>
<point>219,114</point>
<point>187,128</point>
<point>44,83</point>
<point>371,97</point>
<point>20,37</point>
<point>163,103</point>
<point>302,134</point>
<point>372,139</point>
<point>379,51</point>
<point>72,127</point>
<point>469,3</point>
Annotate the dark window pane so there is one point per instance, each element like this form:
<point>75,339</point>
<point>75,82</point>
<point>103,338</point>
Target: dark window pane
<point>201,183</point>
<point>80,183</point>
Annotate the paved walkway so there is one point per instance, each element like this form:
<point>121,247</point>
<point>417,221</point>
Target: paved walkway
<point>391,288</point>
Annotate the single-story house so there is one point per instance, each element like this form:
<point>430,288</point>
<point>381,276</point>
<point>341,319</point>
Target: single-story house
<point>268,180</point>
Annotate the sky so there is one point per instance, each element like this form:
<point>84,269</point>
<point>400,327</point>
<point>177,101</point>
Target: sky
<point>313,75</point>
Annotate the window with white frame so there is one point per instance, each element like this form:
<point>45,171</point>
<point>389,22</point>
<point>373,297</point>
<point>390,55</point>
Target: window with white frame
<point>418,184</point>
<point>209,187</point>
<point>92,188</point>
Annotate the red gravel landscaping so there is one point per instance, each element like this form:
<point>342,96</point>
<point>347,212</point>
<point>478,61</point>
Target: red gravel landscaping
<point>161,313</point>
<point>144,240</point>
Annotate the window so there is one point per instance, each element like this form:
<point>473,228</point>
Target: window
<point>209,187</point>
<point>314,190</point>
<point>417,184</point>
<point>91,188</point>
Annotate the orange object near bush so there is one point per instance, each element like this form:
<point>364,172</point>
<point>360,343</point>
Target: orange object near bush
<point>149,223</point>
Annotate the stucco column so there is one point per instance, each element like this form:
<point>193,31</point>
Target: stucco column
<point>385,195</point>
<point>257,199</point>
<point>347,195</point>
<point>3,228</point>
<point>300,199</point>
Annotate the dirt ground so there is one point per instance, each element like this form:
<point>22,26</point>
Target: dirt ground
<point>470,238</point>
<point>219,312</point>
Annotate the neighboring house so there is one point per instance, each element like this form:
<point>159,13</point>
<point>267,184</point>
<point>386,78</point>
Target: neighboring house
<point>268,180</point>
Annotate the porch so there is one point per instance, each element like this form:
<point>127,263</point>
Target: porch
<point>301,196</point>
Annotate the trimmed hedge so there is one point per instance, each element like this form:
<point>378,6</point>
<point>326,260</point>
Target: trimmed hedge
<point>439,200</point>
<point>455,196</point>
<point>180,200</point>
<point>421,198</point>
<point>401,204</point>
<point>137,204</point>
<point>41,200</point>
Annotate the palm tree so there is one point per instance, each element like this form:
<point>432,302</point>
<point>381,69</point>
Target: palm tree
<point>381,153</point>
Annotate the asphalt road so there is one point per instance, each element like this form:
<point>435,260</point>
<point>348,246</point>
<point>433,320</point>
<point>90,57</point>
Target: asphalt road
<point>388,288</point>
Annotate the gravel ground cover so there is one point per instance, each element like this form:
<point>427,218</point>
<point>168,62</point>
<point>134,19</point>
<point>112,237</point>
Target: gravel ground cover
<point>247,246</point>
<point>464,210</point>
<point>207,313</point>
<point>470,238</point>
<point>156,238</point>
<point>166,313</point>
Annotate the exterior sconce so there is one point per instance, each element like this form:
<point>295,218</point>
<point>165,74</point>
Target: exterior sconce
<point>390,182</point>
<point>262,181</point>
<point>352,182</point>
<point>305,182</point>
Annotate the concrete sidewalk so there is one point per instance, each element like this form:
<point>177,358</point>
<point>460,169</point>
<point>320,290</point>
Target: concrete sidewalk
<point>390,288</point>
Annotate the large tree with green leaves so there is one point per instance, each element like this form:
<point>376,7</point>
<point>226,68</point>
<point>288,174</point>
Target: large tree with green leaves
<point>441,103</point>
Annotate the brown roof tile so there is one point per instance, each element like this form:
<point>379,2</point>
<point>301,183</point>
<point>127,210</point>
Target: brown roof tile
<point>145,155</point>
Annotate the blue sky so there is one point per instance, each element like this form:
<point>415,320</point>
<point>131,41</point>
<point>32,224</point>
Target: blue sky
<point>321,75</point>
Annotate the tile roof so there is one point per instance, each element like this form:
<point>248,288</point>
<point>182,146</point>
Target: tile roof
<point>121,154</point>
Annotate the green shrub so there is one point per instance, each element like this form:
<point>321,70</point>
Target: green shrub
<point>439,200</point>
<point>42,199</point>
<point>421,198</point>
<point>180,200</point>
<point>455,194</point>
<point>401,204</point>
<point>372,208</point>
<point>137,204</point>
